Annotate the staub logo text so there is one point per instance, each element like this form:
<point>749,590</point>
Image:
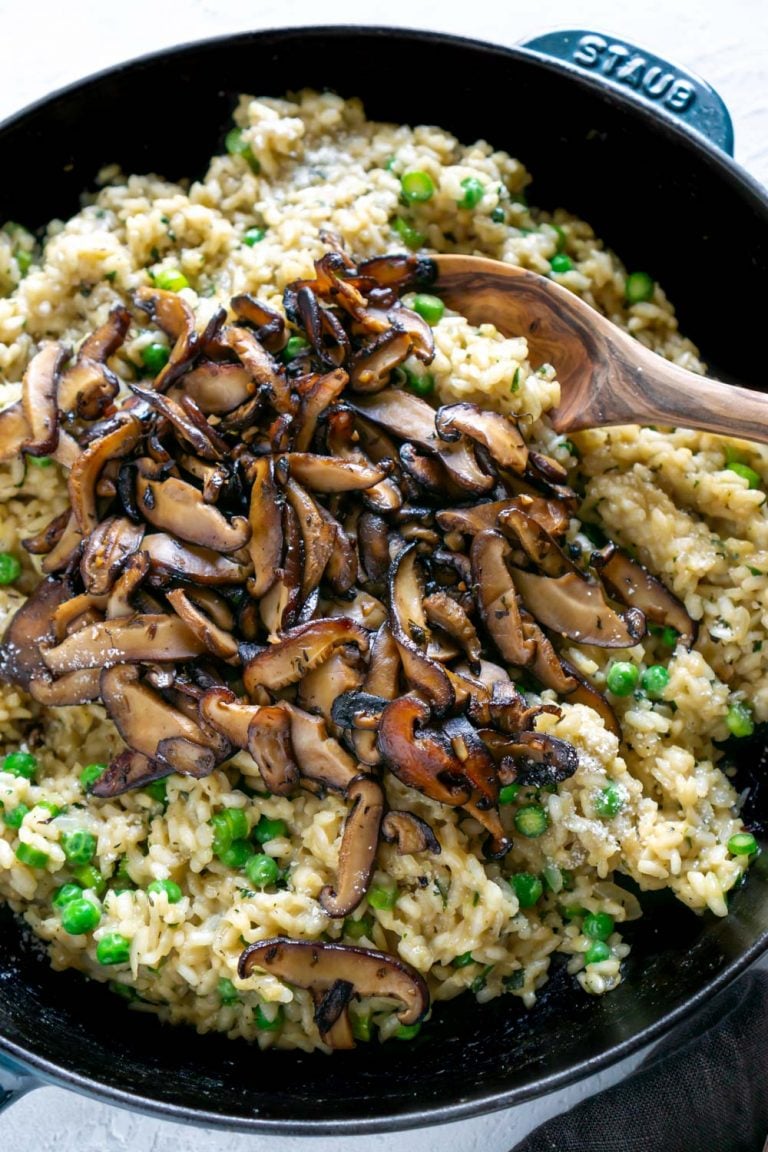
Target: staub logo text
<point>627,66</point>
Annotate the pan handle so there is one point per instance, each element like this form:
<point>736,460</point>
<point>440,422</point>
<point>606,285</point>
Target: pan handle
<point>653,82</point>
<point>15,1082</point>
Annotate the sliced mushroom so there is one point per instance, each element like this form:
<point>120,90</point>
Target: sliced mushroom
<point>633,585</point>
<point>188,421</point>
<point>585,693</point>
<point>124,641</point>
<point>320,758</point>
<point>174,316</point>
<point>316,399</point>
<point>120,597</point>
<point>260,366</point>
<point>318,966</point>
<point>106,551</point>
<point>179,509</point>
<point>269,325</point>
<point>299,651</point>
<point>266,542</point>
<point>408,625</point>
<point>269,743</point>
<point>331,1016</point>
<point>46,540</point>
<point>216,388</point>
<point>73,688</point>
<point>88,387</point>
<point>30,627</point>
<point>87,468</point>
<point>317,535</point>
<point>498,599</point>
<point>210,635</point>
<point>170,558</point>
<point>341,673</point>
<point>480,772</point>
<point>186,757</point>
<point>498,434</point>
<point>410,833</point>
<point>535,759</point>
<point>382,680</point>
<point>421,757</point>
<point>39,399</point>
<point>359,842</point>
<point>14,432</point>
<point>220,709</point>
<point>577,608</point>
<point>444,612</point>
<point>371,366</point>
<point>341,571</point>
<point>127,771</point>
<point>537,544</point>
<point>325,474</point>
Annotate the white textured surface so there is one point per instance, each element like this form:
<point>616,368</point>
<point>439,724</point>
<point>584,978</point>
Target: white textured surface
<point>51,43</point>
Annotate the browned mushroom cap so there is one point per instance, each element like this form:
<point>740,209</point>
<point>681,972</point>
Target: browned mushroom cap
<point>633,585</point>
<point>128,770</point>
<point>144,719</point>
<point>382,680</point>
<point>87,468</point>
<point>410,418</point>
<point>444,612</point>
<point>170,558</point>
<point>318,536</point>
<point>421,757</point>
<point>64,549</point>
<point>171,313</point>
<point>179,508</point>
<point>498,599</point>
<point>480,772</point>
<point>279,607</point>
<point>14,432</point>
<point>577,608</point>
<point>29,628</point>
<point>325,333</point>
<point>39,399</point>
<point>319,395</point>
<point>266,543</point>
<point>342,672</point>
<point>88,387</point>
<point>260,366</point>
<point>133,640</point>
<point>373,542</point>
<point>216,388</point>
<point>399,271</point>
<point>359,841</point>
<point>371,366</point>
<point>299,651</point>
<point>498,434</point>
<point>547,667</point>
<point>326,474</point>
<point>73,688</point>
<point>331,1016</point>
<point>585,693</point>
<point>220,709</point>
<point>214,638</point>
<point>188,421</point>
<point>470,521</point>
<point>534,758</point>
<point>408,624</point>
<point>320,758</point>
<point>120,597</point>
<point>537,544</point>
<point>44,541</point>
<point>314,965</point>
<point>75,613</point>
<point>186,757</point>
<point>106,551</point>
<point>341,571</point>
<point>410,833</point>
<point>269,324</point>
<point>269,743</point>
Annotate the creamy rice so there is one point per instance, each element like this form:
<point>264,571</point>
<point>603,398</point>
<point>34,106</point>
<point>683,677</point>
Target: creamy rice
<point>667,495</point>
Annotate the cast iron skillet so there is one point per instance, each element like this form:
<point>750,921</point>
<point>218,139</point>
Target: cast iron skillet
<point>617,137</point>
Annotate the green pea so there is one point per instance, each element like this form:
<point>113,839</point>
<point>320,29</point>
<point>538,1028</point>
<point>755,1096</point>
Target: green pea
<point>262,870</point>
<point>430,308</point>
<point>158,790</point>
<point>228,994</point>
<point>463,960</point>
<point>359,928</point>
<point>609,802</point>
<point>746,473</point>
<point>509,793</point>
<point>267,830</point>
<point>382,898</point>
<point>79,917</point>
<point>669,637</point>
<point>154,357</point>
<point>473,192</point>
<point>561,263</point>
<point>89,877</point>
<point>79,846</point>
<point>622,678</point>
<point>421,385</point>
<point>237,145</point>
<point>362,1028</point>
<point>638,288</point>
<point>295,346</point>
<point>66,894</point>
<point>655,680</point>
<point>597,952</point>
<point>15,818</point>
<point>409,235</point>
<point>498,215</point>
<point>170,280</point>
<point>264,1023</point>
<point>169,887</point>
<point>237,855</point>
<point>32,857</point>
<point>739,720</point>
<point>20,764</point>
<point>113,949</point>
<point>228,825</point>
<point>528,889</point>
<point>90,774</point>
<point>253,236</point>
<point>742,844</point>
<point>598,925</point>
<point>531,820</point>
<point>407,1031</point>
<point>417,187</point>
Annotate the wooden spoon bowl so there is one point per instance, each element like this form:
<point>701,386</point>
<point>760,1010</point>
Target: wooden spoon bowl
<point>606,376</point>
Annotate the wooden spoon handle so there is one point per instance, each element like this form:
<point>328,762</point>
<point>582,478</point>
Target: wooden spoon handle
<point>640,387</point>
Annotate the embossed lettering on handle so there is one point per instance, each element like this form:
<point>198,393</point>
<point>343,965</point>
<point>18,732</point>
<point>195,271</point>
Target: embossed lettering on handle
<point>651,80</point>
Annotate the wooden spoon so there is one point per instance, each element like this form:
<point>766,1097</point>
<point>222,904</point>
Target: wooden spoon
<point>606,377</point>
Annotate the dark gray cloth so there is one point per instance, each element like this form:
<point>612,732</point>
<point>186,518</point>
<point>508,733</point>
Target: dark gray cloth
<point>703,1089</point>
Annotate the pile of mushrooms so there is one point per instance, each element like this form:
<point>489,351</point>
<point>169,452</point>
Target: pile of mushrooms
<point>298,557</point>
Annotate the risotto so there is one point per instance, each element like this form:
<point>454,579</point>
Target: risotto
<point>171,917</point>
